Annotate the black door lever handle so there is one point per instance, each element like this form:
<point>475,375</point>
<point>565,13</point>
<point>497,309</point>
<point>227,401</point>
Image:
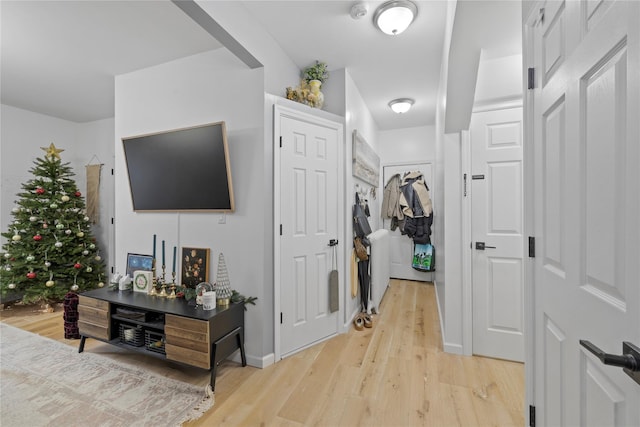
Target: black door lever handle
<point>629,361</point>
<point>481,246</point>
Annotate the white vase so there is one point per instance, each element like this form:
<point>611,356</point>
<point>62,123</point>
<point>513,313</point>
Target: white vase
<point>316,97</point>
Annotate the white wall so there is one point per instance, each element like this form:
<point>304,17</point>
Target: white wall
<point>22,136</point>
<point>357,117</point>
<point>208,87</point>
<point>407,145</point>
<point>499,81</point>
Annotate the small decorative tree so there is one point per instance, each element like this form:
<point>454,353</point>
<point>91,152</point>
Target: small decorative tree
<point>222,285</point>
<point>50,248</point>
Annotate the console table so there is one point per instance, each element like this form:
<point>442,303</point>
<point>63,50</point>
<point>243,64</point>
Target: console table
<point>163,327</point>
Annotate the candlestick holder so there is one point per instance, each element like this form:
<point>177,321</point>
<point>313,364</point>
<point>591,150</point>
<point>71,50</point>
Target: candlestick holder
<point>172,287</point>
<point>154,279</point>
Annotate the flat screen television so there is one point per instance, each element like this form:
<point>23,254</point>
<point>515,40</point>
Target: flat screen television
<point>180,170</point>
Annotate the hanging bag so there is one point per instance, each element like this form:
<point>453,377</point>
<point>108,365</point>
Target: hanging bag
<point>361,250</point>
<point>361,227</point>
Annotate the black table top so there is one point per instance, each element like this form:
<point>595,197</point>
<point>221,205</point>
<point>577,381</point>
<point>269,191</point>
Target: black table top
<point>176,306</point>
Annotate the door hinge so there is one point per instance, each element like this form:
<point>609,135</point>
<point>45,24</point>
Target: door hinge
<point>280,142</point>
<point>111,171</point>
<point>281,229</point>
<point>281,318</point>
<point>465,185</point>
<point>532,247</point>
<point>112,220</point>
<point>531,78</point>
<point>532,416</point>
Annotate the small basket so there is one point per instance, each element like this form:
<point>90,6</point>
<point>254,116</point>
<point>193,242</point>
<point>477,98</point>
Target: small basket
<point>154,341</point>
<point>131,335</point>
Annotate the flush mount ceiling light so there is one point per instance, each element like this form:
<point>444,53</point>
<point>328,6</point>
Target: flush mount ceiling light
<point>401,105</point>
<point>395,16</point>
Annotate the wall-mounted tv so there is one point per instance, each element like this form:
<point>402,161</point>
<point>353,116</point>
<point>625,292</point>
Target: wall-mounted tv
<point>180,170</point>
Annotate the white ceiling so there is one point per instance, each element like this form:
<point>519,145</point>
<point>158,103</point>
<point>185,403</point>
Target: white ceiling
<point>59,57</point>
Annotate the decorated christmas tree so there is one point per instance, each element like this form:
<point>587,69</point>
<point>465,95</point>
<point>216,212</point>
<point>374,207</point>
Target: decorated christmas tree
<point>50,249</point>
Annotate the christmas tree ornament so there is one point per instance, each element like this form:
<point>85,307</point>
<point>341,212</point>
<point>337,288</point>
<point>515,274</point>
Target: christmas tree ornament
<point>37,237</point>
<point>31,275</point>
<point>92,246</point>
<point>89,269</point>
<point>77,266</point>
<point>45,225</point>
<point>86,252</point>
<point>50,283</point>
<point>74,288</point>
<point>58,244</point>
<point>86,218</point>
<point>11,286</point>
<point>52,152</point>
<point>59,226</point>
<point>53,206</point>
<point>65,198</point>
<point>15,210</point>
<point>16,238</point>
<point>33,218</point>
<point>97,258</point>
<point>80,234</point>
<point>7,268</point>
<point>67,231</point>
<point>47,264</point>
<point>101,284</point>
<point>77,194</point>
<point>7,255</point>
<point>39,190</point>
<point>30,258</point>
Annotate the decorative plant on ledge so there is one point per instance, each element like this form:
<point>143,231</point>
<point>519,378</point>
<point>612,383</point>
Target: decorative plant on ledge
<point>308,92</point>
<point>316,72</point>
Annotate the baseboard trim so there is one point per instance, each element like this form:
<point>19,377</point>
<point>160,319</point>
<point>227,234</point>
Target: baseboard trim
<point>255,361</point>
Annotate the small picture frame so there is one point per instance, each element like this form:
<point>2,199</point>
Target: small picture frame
<point>142,281</point>
<point>195,266</point>
<point>138,262</point>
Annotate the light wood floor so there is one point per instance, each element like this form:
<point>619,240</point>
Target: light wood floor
<point>394,374</point>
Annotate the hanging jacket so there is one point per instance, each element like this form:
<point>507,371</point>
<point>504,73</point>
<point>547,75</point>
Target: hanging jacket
<point>417,208</point>
<point>391,199</point>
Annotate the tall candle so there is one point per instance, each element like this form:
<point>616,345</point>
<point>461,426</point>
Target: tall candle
<point>163,263</point>
<point>174,259</point>
<point>154,246</point>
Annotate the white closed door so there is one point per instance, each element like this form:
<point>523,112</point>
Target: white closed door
<point>586,206</point>
<point>497,234</point>
<point>400,245</point>
<point>308,221</point>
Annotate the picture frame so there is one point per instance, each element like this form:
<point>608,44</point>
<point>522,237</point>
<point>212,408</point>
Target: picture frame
<point>366,163</point>
<point>195,266</point>
<point>138,262</point>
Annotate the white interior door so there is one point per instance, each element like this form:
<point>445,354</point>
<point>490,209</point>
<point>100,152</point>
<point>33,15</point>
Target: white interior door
<point>309,219</point>
<point>401,246</point>
<point>586,199</point>
<point>497,234</point>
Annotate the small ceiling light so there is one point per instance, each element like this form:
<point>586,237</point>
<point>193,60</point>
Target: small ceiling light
<point>395,16</point>
<point>401,105</point>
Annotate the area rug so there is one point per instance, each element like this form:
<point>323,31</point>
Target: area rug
<point>47,383</point>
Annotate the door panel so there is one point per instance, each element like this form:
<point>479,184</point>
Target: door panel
<point>309,217</point>
<point>496,209</point>
<point>585,273</point>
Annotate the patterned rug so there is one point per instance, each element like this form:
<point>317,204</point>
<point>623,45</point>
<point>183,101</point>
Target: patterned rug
<point>47,383</point>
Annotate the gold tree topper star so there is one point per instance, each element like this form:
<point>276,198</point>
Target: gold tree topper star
<point>52,151</point>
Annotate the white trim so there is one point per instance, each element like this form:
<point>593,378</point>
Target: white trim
<point>285,108</point>
<point>467,266</point>
<point>255,361</point>
<point>498,104</point>
<point>529,59</point>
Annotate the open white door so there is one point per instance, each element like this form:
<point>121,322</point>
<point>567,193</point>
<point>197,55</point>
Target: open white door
<point>586,204</point>
<point>497,234</point>
<point>400,245</point>
<point>308,220</point>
